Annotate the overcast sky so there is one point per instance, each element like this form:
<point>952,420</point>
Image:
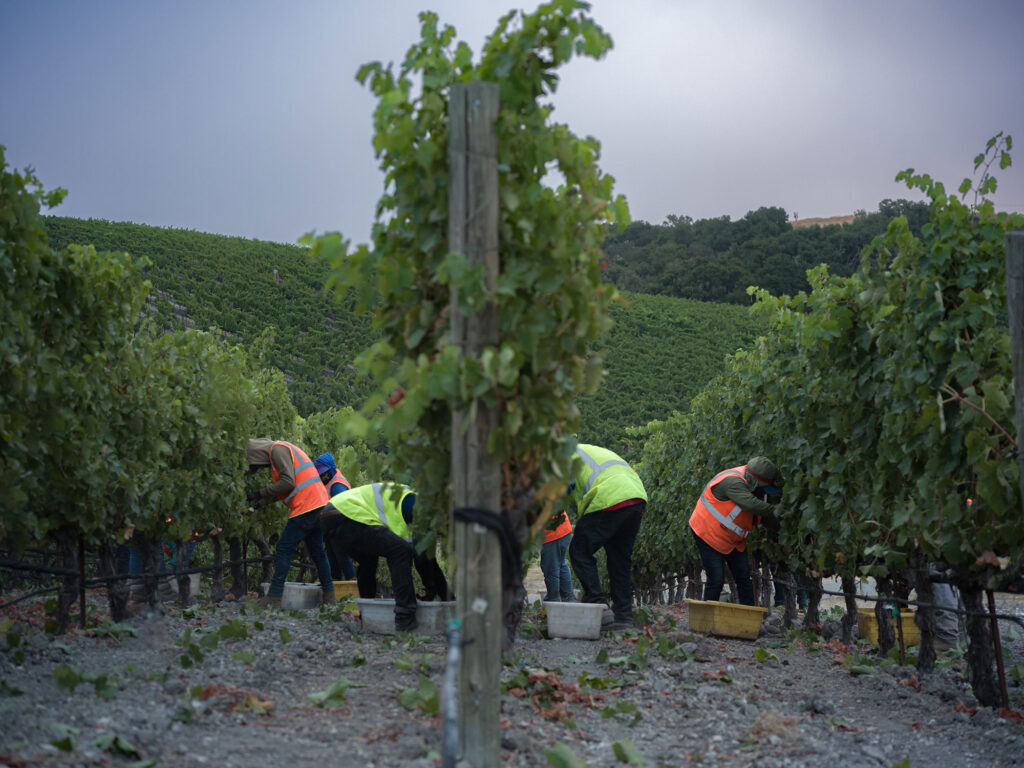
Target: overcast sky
<point>244,118</point>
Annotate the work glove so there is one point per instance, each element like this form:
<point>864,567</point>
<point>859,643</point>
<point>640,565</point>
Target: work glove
<point>253,497</point>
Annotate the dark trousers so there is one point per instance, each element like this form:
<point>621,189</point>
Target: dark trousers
<point>365,544</point>
<point>301,528</point>
<point>714,563</point>
<point>780,588</point>
<point>434,582</point>
<point>341,565</point>
<point>614,530</point>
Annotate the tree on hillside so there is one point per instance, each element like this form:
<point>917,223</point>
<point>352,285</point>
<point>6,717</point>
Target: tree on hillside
<point>718,259</point>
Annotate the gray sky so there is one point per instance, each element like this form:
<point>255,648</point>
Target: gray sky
<point>244,118</point>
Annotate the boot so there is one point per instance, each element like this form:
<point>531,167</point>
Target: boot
<point>329,598</point>
<point>406,623</point>
<point>268,601</point>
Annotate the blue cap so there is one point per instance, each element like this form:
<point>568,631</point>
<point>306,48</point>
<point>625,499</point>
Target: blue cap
<point>324,463</point>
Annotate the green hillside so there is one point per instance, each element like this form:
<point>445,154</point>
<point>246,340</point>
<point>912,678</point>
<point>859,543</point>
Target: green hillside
<point>242,287</point>
<point>659,354</point>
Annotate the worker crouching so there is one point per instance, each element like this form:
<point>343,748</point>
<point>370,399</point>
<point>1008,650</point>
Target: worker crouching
<point>369,522</point>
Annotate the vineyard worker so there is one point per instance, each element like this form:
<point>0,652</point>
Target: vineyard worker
<point>330,475</point>
<point>947,624</point>
<point>557,578</point>
<point>335,483</point>
<point>369,522</point>
<point>297,485</point>
<point>725,513</point>
<point>610,501</point>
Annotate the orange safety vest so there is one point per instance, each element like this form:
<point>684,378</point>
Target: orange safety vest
<point>337,478</point>
<point>309,493</point>
<point>564,529</point>
<point>723,525</point>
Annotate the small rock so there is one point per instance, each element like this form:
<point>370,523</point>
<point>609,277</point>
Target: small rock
<point>874,752</point>
<point>819,705</point>
<point>515,741</point>
<point>984,717</point>
<point>830,628</point>
<point>949,693</point>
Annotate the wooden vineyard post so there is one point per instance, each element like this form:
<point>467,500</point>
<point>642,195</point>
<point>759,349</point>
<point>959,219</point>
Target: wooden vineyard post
<point>1015,311</point>
<point>476,475</point>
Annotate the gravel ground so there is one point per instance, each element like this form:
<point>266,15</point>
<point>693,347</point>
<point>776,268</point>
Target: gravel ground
<point>661,695</point>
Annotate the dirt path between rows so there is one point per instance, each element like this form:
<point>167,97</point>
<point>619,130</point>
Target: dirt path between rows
<point>231,685</point>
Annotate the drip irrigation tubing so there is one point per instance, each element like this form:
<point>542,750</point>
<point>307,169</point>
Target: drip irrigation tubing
<point>99,581</point>
<point>20,565</point>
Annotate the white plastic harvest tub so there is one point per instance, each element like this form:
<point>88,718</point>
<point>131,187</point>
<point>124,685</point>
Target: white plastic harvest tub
<point>379,616</point>
<point>574,620</point>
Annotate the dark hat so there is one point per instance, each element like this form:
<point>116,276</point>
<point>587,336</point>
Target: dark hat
<point>764,471</point>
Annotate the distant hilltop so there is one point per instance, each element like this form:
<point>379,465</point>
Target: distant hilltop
<point>823,221</point>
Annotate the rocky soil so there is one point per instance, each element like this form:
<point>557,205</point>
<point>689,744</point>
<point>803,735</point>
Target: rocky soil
<point>233,685</point>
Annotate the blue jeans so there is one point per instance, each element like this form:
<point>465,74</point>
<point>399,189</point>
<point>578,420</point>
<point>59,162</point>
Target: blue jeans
<point>128,559</point>
<point>304,527</point>
<point>557,578</point>
<point>714,563</point>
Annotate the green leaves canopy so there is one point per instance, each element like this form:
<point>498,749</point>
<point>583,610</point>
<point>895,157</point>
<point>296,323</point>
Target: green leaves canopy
<point>886,398</point>
<point>550,300</point>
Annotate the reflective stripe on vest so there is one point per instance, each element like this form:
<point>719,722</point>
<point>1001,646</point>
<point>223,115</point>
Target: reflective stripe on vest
<point>338,478</point>
<point>595,468</point>
<point>378,497</point>
<point>382,514</point>
<point>306,477</point>
<point>721,523</point>
<point>727,521</point>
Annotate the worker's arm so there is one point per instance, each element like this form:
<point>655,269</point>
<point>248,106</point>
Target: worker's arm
<point>736,490</point>
<point>336,488</point>
<point>281,458</point>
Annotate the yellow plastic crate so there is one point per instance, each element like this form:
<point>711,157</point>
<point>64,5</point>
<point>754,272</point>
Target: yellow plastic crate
<point>867,626</point>
<point>346,589</point>
<point>725,619</point>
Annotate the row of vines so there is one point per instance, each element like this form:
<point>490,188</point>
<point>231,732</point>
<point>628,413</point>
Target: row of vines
<point>886,399</point>
<point>113,431</point>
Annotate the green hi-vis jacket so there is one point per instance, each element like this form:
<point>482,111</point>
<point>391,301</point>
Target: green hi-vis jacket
<point>375,504</point>
<point>604,480</point>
